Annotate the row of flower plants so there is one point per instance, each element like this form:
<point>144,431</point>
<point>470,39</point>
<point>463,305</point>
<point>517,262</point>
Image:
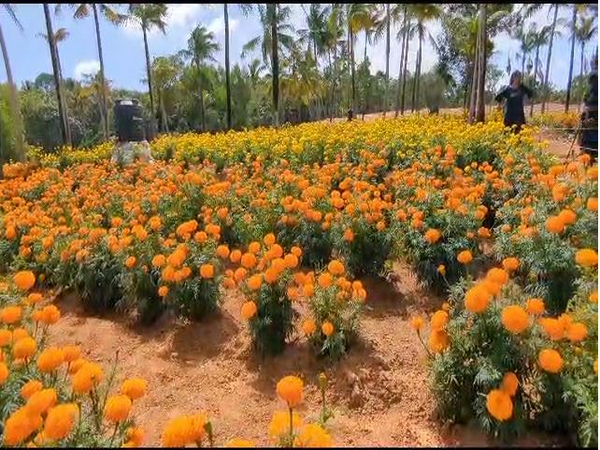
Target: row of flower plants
<point>297,214</point>
<point>54,397</point>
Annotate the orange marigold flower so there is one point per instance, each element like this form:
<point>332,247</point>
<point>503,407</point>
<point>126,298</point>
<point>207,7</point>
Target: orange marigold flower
<point>535,306</point>
<point>117,408</point>
<point>5,337</point>
<point>248,260</point>
<point>249,310</point>
<point>10,314</point>
<point>510,264</point>
<point>553,327</point>
<point>163,291</point>
<point>325,280</point>
<point>592,204</point>
<point>308,327</point>
<point>498,276</point>
<point>60,421</point>
<point>510,383</point>
<point>254,247</point>
<point>50,359</point>
<point>240,443</point>
<point>280,424</point>
<point>438,340</point>
<point>567,216</point>
<point>134,388</point>
<point>50,314</point>
<point>348,235</point>
<point>586,257</point>
<point>159,261</point>
<point>577,332</point>
<point>3,373</point>
<point>515,319</point>
<point>417,323</point>
<point>313,436</point>
<point>296,251</point>
<point>235,256</point>
<point>255,282</point>
<point>223,251</point>
<point>130,262</point>
<point>30,388</point>
<point>207,271</point>
<point>593,298</point>
<point>550,360</point>
<point>439,320</point>
<point>24,348</point>
<point>464,257</point>
<point>432,235</point>
<point>20,425</point>
<point>499,405</point>
<point>24,280</point>
<point>86,378</point>
<point>555,224</point>
<point>327,328</point>
<point>291,261</point>
<point>289,389</point>
<point>269,239</point>
<point>477,299</point>
<point>135,435</point>
<point>41,401</point>
<point>336,268</point>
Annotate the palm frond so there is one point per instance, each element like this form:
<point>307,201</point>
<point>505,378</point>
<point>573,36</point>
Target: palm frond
<point>11,12</point>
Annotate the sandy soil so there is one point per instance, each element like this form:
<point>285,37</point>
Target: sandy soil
<point>379,391</point>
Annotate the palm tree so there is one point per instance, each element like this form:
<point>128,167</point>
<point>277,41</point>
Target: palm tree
<point>422,12</point>
<point>572,57</point>
<point>82,10</point>
<point>388,21</point>
<point>59,36</point>
<point>333,35</point>
<point>274,39</point>
<point>147,16</point>
<point>314,33</point>
<point>57,81</point>
<point>541,38</point>
<point>481,63</point>
<point>358,17</point>
<point>548,59</point>
<point>407,31</point>
<point>201,46</point>
<point>165,72</point>
<point>227,71</point>
<point>584,33</point>
<point>14,98</point>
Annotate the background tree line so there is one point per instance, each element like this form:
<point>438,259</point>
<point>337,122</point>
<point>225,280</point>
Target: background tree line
<point>304,74</point>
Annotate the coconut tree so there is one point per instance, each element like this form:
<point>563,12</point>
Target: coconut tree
<point>19,153</point>
<point>358,17</point>
<point>83,10</point>
<point>541,38</point>
<point>227,69</point>
<point>333,37</point>
<point>314,33</point>
<point>201,47</point>
<point>584,33</point>
<point>549,58</point>
<point>274,39</point>
<point>148,16</point>
<point>165,73</point>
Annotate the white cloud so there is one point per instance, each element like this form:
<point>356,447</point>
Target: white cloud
<point>217,25</point>
<point>180,18</point>
<point>87,67</point>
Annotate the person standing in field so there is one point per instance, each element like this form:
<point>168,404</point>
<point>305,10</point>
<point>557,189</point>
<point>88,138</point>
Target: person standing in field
<point>514,94</point>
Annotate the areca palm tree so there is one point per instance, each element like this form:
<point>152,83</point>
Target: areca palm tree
<point>57,79</point>
<point>59,36</point>
<point>14,98</point>
<point>359,17</point>
<point>423,13</point>
<point>201,47</point>
<point>274,39</point>
<point>584,33</point>
<point>227,70</point>
<point>82,10</point>
<point>148,16</point>
<point>333,35</point>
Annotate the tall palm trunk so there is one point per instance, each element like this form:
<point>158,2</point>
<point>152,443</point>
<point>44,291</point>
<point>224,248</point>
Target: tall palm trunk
<point>535,70</point>
<point>64,97</point>
<point>416,79</point>
<point>149,73</point>
<point>227,75</point>
<point>480,112</point>
<point>101,58</point>
<point>352,67</point>
<point>572,59</point>
<point>19,153</point>
<point>59,93</point>
<point>404,70</point>
<point>473,94</point>
<point>545,88</point>
<point>581,75</point>
<point>387,59</point>
<point>417,95</point>
<point>398,88</point>
<point>274,63</point>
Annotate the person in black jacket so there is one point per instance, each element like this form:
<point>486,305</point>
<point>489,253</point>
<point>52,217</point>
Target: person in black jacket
<point>514,95</point>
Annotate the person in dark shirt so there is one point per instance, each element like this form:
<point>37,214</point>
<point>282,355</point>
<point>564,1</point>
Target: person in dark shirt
<point>514,95</point>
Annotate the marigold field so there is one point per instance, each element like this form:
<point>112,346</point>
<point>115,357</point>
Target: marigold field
<point>277,261</point>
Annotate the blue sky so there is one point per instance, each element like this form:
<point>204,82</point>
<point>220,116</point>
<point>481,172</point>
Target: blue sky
<point>124,49</point>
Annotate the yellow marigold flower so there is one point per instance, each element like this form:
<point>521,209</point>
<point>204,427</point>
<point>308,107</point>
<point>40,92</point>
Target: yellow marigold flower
<point>515,319</point>
<point>586,257</point>
<point>313,436</point>
<point>327,328</point>
<point>60,421</point>
<point>117,408</point>
<point>441,270</point>
<point>550,360</point>
<point>499,405</point>
<point>30,388</point>
<point>50,359</point>
<point>289,389</point>
<point>249,310</point>
<point>134,388</point>
<point>24,280</point>
<point>510,383</point>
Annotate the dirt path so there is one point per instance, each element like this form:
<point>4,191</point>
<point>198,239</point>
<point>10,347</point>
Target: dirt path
<point>210,367</point>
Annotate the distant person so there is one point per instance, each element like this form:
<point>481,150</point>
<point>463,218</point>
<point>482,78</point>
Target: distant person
<point>514,93</point>
<point>350,114</point>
